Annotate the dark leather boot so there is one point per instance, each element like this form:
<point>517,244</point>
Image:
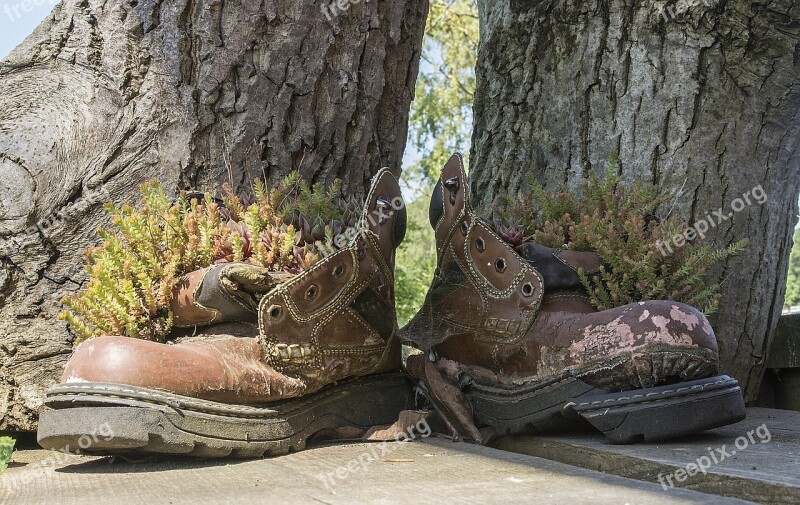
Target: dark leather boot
<point>267,359</point>
<point>518,336</point>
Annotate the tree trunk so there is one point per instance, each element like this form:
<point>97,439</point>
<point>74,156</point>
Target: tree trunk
<point>700,97</point>
<point>106,95</point>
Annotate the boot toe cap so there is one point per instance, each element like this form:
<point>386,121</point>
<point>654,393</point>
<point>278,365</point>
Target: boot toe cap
<point>229,370</point>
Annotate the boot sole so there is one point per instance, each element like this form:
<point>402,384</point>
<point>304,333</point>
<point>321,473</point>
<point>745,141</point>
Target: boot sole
<point>103,419</point>
<point>625,417</point>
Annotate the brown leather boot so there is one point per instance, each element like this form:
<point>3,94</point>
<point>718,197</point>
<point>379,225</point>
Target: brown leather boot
<point>527,350</point>
<point>276,359</point>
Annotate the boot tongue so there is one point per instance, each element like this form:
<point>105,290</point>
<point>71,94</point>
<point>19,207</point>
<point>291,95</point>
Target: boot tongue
<point>559,267</point>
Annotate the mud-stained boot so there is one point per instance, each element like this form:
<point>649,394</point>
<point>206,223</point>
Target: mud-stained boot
<point>285,357</point>
<point>512,340</point>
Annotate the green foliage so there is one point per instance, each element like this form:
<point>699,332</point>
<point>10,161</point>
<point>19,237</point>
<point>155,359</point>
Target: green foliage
<point>133,273</point>
<point>620,224</point>
<point>416,261</point>
<point>298,198</point>
<point>441,115</point>
<point>6,449</point>
<point>793,278</point>
<point>440,123</point>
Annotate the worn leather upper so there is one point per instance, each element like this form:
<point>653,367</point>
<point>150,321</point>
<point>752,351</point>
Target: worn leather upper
<point>333,321</point>
<point>508,318</point>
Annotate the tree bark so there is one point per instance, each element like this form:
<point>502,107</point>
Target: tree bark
<point>700,97</point>
<point>106,95</point>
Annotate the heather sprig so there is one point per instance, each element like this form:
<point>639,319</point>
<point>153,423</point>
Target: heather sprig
<point>137,266</point>
<point>621,225</point>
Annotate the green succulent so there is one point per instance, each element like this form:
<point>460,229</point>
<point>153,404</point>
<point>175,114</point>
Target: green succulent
<point>621,225</point>
<point>141,258</point>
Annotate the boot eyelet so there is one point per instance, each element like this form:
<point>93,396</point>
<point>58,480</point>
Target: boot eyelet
<point>275,311</point>
<point>527,289</point>
<point>464,228</point>
<point>381,204</point>
<point>338,270</point>
<point>480,245</point>
<point>311,293</point>
<point>500,265</point>
<point>452,184</point>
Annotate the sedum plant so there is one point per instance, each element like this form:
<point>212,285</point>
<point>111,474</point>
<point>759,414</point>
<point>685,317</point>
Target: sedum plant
<point>141,258</point>
<point>620,224</point>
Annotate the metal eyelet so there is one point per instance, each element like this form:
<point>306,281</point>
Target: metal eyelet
<point>527,289</point>
<point>500,264</point>
<point>464,228</point>
<point>338,270</point>
<point>311,292</point>
<point>452,184</point>
<point>381,204</point>
<point>480,245</point>
<point>275,311</point>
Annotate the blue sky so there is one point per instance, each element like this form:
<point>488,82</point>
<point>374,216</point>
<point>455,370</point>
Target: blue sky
<point>18,18</point>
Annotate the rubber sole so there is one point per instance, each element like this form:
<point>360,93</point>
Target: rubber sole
<point>102,419</point>
<point>647,414</point>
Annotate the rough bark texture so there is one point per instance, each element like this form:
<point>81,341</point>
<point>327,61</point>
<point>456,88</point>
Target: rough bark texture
<point>106,95</point>
<point>701,98</point>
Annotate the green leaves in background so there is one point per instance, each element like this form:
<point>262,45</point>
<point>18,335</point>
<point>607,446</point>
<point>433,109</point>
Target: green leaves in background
<point>441,115</point>
<point>416,261</point>
<point>440,124</point>
<point>6,448</point>
<point>793,279</point>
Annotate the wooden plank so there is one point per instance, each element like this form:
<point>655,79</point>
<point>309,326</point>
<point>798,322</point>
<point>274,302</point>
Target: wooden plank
<point>765,470</point>
<point>429,471</point>
<point>784,352</point>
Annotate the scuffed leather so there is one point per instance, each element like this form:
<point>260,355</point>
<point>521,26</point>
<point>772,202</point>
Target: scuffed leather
<point>309,326</point>
<point>559,268</point>
<point>476,313</point>
<point>481,286</point>
<point>336,320</point>
<point>448,398</point>
<point>226,292</point>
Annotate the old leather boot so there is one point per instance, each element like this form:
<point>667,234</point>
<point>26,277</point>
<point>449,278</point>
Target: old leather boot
<point>515,342</point>
<point>284,357</point>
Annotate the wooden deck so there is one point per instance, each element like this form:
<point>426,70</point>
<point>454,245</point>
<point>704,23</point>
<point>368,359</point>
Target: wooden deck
<point>576,469</point>
<point>764,470</point>
<point>428,471</point>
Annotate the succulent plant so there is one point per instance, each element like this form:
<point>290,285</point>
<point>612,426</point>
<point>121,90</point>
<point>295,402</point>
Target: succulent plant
<point>514,235</point>
<point>621,225</point>
<point>134,271</point>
